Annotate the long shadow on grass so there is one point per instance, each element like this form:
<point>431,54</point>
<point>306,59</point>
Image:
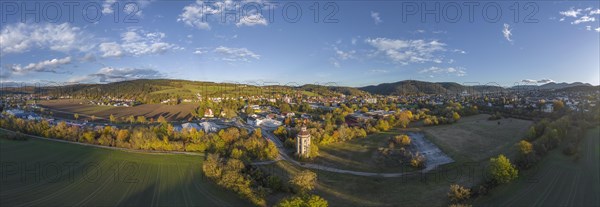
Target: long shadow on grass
<point>192,189</point>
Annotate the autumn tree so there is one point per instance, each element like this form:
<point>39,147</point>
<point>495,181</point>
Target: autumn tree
<point>141,119</point>
<point>458,193</point>
<point>161,119</point>
<point>558,105</point>
<point>304,181</point>
<point>403,140</point>
<point>89,137</point>
<point>303,201</point>
<point>122,135</point>
<point>211,166</point>
<point>364,109</point>
<point>112,119</point>
<point>258,132</point>
<point>76,116</point>
<point>525,147</point>
<point>382,125</point>
<point>280,132</point>
<point>131,119</point>
<point>501,170</point>
<point>455,116</point>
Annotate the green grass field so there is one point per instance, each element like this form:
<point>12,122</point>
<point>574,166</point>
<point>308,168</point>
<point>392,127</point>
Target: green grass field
<point>475,138</point>
<point>349,190</point>
<point>558,180</point>
<point>359,154</point>
<point>45,173</point>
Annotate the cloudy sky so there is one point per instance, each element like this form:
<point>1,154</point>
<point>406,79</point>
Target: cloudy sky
<point>353,43</point>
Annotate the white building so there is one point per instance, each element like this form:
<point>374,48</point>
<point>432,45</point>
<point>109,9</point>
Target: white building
<point>303,143</point>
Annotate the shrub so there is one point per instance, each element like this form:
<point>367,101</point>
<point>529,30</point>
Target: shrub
<point>458,194</point>
<point>303,201</point>
<point>304,181</point>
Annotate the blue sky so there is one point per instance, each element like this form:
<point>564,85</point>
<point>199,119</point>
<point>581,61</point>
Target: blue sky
<point>352,43</point>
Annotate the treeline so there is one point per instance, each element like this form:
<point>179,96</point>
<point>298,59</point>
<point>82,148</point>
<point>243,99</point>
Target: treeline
<point>232,141</point>
<point>446,114</point>
<point>254,184</point>
<point>565,132</point>
<point>232,174</point>
<point>157,90</point>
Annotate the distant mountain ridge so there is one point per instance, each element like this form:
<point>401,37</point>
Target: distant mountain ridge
<point>423,87</point>
<point>554,86</point>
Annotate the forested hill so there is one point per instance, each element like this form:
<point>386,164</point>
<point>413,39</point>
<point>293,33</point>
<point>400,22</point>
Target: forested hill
<point>157,90</point>
<point>422,87</point>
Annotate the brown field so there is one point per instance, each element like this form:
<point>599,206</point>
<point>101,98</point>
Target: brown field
<point>476,138</point>
<point>66,109</point>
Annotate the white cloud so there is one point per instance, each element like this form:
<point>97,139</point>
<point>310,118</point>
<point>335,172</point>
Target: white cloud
<point>251,20</point>
<point>597,29</point>
<point>193,15</point>
<point>584,19</point>
<point>107,6</point>
<point>407,51</point>
<point>376,17</point>
<point>110,74</point>
<point>137,42</point>
<point>20,37</point>
<point>580,16</point>
<point>571,13</point>
<point>48,66</point>
<point>111,49</point>
<point>507,32</point>
<point>236,54</point>
<point>379,71</point>
<point>197,15</point>
<point>343,55</point>
<point>458,71</point>
<point>528,81</point>
<point>544,80</point>
<point>200,51</point>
